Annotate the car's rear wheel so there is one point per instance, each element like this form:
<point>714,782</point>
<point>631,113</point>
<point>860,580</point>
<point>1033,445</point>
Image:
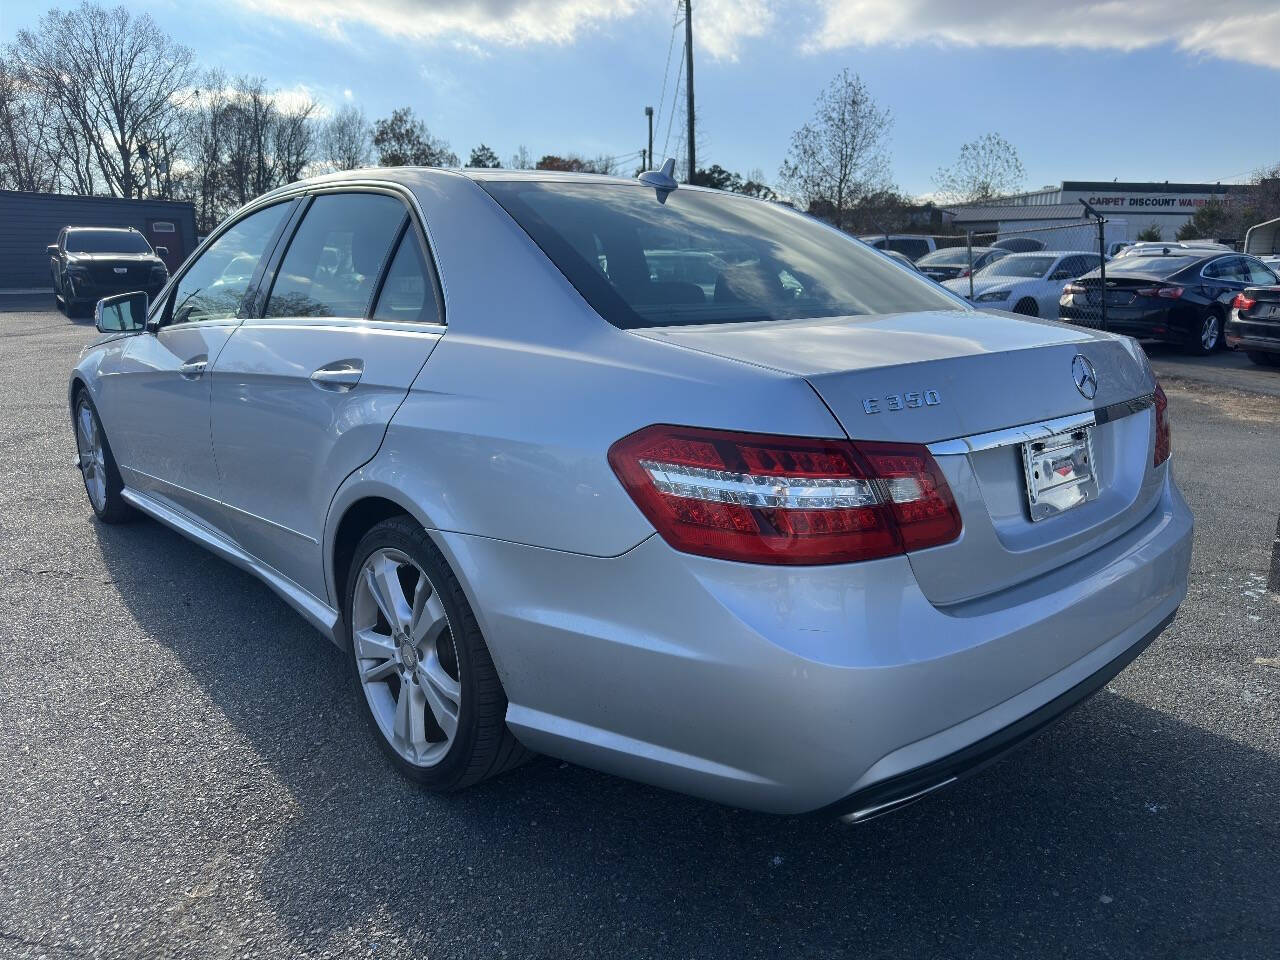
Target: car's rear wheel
<point>1264,359</point>
<point>422,671</point>
<point>98,466</point>
<point>1027,307</point>
<point>1207,335</point>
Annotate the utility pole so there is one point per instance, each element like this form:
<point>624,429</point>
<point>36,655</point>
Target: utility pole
<point>688,81</point>
<point>648,112</point>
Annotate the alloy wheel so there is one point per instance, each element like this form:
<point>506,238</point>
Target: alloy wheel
<point>1209,332</point>
<point>405,657</point>
<point>93,460</point>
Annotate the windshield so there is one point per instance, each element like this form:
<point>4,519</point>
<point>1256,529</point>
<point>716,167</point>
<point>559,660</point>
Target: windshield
<point>952,256</point>
<point>106,241</point>
<point>1161,266</point>
<point>1034,267</point>
<point>699,258</point>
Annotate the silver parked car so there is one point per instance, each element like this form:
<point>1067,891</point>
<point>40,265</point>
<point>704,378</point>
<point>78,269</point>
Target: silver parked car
<point>800,530</point>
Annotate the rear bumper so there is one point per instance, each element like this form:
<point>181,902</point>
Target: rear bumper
<point>1253,335</point>
<point>792,689</point>
<point>896,792</point>
<point>1161,323</point>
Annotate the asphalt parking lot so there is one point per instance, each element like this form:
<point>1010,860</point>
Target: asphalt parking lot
<point>185,773</point>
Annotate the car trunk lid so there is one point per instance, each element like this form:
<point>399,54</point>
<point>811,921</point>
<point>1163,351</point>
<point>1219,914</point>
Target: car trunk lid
<point>959,380</point>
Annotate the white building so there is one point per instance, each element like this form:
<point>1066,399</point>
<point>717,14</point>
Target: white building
<point>1130,208</point>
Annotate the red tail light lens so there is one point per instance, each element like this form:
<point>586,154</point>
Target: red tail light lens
<point>785,500</point>
<point>1241,302</point>
<point>1164,443</point>
<point>1165,293</point>
<point>1071,289</point>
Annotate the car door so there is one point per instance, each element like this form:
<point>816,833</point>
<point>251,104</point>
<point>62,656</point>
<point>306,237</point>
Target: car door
<point>1224,278</point>
<point>1049,290</point>
<point>163,390</point>
<point>302,394</point>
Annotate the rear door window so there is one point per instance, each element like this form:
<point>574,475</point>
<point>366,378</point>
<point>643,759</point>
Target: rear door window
<point>409,293</point>
<point>336,256</point>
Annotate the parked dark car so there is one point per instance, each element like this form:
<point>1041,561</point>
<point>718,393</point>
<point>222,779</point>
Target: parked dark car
<point>952,262</point>
<point>1254,325</point>
<point>1019,244</point>
<point>1183,296</point>
<point>88,263</point>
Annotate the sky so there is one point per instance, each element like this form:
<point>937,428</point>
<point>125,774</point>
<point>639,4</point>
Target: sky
<point>1182,90</point>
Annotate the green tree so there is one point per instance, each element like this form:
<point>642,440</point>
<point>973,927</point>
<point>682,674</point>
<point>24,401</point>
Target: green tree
<point>482,156</point>
<point>1151,233</point>
<point>402,140</point>
<point>1207,223</point>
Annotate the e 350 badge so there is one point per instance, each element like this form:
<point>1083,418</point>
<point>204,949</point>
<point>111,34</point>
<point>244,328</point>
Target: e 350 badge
<point>901,401</point>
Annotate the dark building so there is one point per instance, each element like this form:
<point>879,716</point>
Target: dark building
<point>29,222</point>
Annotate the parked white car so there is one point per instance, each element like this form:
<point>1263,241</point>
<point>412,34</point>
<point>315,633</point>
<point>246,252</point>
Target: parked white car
<point>1027,283</point>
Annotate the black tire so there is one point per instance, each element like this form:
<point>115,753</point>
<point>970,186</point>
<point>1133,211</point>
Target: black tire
<point>114,508</point>
<point>483,747</point>
<point>1195,344</point>
<point>1027,307</point>
<point>1264,359</point>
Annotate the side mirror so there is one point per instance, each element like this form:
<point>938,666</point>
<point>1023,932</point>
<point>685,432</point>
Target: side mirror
<point>51,249</point>
<point>162,251</point>
<point>122,313</point>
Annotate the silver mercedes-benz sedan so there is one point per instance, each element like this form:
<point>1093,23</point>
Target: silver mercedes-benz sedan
<point>672,483</point>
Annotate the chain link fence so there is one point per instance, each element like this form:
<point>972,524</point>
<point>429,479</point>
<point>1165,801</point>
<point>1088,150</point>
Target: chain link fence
<point>1057,271</point>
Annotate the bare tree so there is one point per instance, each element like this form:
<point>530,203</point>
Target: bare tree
<point>113,79</point>
<point>839,157</point>
<point>521,159</point>
<point>27,161</point>
<point>346,139</point>
<point>402,140</point>
<point>294,140</point>
<point>986,168</point>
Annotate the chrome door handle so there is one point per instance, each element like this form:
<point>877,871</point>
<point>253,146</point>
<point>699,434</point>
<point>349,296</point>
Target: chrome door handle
<point>339,376</point>
<point>193,369</point>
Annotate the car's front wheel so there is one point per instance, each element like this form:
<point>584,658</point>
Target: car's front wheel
<point>1027,307</point>
<point>423,675</point>
<point>98,466</point>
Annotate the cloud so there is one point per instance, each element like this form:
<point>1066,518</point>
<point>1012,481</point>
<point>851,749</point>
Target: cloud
<point>469,25</point>
<point>1245,30</point>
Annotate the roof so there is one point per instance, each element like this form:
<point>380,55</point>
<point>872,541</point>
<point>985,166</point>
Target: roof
<point>1154,186</point>
<point>1038,211</point>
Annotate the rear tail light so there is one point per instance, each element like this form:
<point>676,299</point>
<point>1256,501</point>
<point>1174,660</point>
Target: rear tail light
<point>1164,445</point>
<point>962,274</point>
<point>1165,293</point>
<point>1071,289</point>
<point>785,500</point>
<point>1241,302</point>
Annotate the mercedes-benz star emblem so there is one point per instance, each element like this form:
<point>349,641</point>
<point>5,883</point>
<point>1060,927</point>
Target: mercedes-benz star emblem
<point>1085,376</point>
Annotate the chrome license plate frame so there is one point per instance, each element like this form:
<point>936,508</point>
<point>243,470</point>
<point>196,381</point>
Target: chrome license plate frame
<point>1060,472</point>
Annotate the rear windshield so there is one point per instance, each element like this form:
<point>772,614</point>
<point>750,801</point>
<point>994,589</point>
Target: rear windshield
<point>106,241</point>
<point>699,258</point>
<point>1156,266</point>
<point>1018,267</point>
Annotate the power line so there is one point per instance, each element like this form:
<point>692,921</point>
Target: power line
<point>671,116</point>
<point>666,70</point>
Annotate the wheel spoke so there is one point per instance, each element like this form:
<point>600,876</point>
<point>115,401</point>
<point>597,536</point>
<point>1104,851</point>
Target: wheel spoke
<point>429,618</point>
<point>384,584</point>
<point>443,693</point>
<point>411,723</point>
<point>380,650</point>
